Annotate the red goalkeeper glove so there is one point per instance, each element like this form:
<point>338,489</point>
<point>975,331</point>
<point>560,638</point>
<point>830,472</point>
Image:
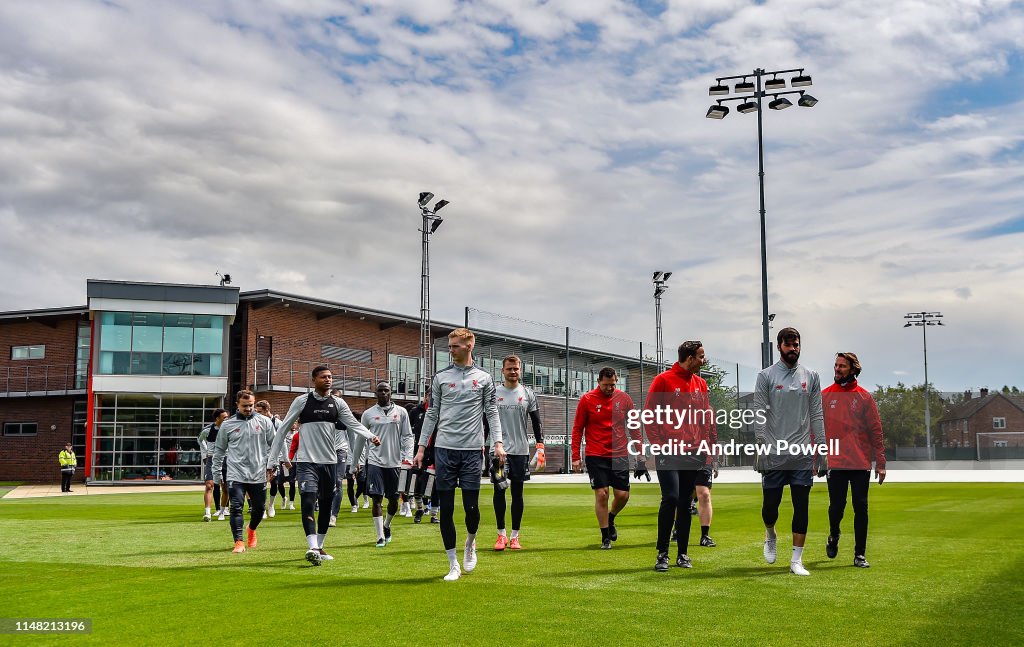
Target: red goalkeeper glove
<point>539,460</point>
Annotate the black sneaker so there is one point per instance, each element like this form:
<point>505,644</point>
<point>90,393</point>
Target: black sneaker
<point>832,547</point>
<point>661,564</point>
<point>606,544</point>
<point>418,517</point>
<point>860,562</point>
<point>683,561</point>
<point>613,532</point>
<point>707,542</point>
<point>434,519</point>
<point>693,509</point>
<point>387,534</point>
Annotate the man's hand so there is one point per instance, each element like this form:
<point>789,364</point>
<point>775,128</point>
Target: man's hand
<point>539,459</point>
<point>287,465</point>
<point>577,466</point>
<point>821,466</point>
<point>417,461</point>
<point>376,441</point>
<point>499,452</point>
<point>270,475</point>
<point>880,474</point>
<point>641,470</point>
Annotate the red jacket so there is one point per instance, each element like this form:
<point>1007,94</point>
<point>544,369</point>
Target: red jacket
<point>851,416</point>
<point>687,393</point>
<point>603,420</point>
<point>293,447</point>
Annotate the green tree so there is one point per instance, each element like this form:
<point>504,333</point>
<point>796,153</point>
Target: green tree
<point>722,395</point>
<point>1010,390</point>
<point>901,409</point>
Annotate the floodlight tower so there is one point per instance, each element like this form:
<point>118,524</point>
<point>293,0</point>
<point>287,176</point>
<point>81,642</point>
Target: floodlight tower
<point>751,96</point>
<point>431,223</point>
<point>659,279</point>
<point>925,319</point>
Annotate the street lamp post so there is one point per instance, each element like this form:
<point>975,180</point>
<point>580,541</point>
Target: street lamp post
<point>925,319</point>
<point>431,223</point>
<point>751,94</point>
<point>659,279</point>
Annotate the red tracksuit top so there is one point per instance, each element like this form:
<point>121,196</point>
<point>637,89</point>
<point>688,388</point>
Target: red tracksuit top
<point>851,416</point>
<point>681,390</point>
<point>604,419</point>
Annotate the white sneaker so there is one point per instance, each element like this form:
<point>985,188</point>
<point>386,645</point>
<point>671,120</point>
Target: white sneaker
<point>206,517</point>
<point>266,514</point>
<point>220,515</point>
<point>333,522</point>
<point>355,508</point>
<point>453,574</point>
<point>271,511</point>
<point>291,505</point>
<point>797,568</point>
<point>469,557</point>
<point>313,557</point>
<point>769,550</point>
<point>366,503</point>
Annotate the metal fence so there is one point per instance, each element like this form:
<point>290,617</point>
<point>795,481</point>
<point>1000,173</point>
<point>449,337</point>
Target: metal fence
<point>36,379</point>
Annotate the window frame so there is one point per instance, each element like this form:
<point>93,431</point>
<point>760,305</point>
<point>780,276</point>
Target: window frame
<point>28,352</point>
<point>21,426</point>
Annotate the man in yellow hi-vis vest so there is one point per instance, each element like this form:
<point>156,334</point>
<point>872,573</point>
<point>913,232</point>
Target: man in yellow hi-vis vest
<point>67,467</point>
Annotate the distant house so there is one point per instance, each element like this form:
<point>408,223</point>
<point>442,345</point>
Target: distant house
<point>996,416</point>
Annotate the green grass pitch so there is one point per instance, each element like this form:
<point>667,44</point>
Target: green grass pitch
<point>947,568</point>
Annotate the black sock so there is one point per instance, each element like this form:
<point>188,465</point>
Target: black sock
<point>704,531</point>
<point>611,518</point>
<point>604,535</point>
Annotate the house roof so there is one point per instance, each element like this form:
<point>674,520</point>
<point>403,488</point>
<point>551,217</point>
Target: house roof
<point>969,408</point>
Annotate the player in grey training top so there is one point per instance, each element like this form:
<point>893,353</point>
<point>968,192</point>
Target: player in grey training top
<point>244,442</point>
<point>316,459</point>
<point>517,408</point>
<point>390,423</point>
<point>790,396</point>
<point>207,437</point>
<point>460,396</point>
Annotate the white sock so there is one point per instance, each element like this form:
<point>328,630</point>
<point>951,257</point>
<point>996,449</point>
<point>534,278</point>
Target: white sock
<point>207,511</point>
<point>515,534</point>
<point>320,540</point>
<point>501,532</point>
<point>378,523</point>
<point>311,540</point>
<point>470,538</point>
<point>453,561</point>
<point>798,554</point>
<point>769,533</point>
<point>387,520</point>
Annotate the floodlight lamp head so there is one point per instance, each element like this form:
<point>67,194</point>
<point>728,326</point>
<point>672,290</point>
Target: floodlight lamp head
<point>800,81</point>
<point>425,197</point>
<point>775,84</point>
<point>780,104</point>
<point>806,101</point>
<point>440,205</point>
<point>907,325</point>
<point>657,276</point>
<point>667,275</point>
<point>718,90</point>
<point>745,86</point>
<point>436,225</point>
<point>717,112</point>
<point>747,107</point>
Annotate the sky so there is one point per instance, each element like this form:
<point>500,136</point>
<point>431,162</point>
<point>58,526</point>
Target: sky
<point>286,143</point>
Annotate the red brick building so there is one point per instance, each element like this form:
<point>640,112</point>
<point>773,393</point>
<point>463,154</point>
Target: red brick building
<point>133,377</point>
<point>997,416</point>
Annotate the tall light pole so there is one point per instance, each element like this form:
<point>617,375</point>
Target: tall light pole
<point>925,319</point>
<point>431,222</point>
<point>659,279</point>
<point>751,96</point>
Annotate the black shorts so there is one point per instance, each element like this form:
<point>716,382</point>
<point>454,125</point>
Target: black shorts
<point>208,469</point>
<point>517,467</point>
<point>316,477</point>
<point>704,477</point>
<point>457,468</point>
<point>774,479</point>
<point>603,473</point>
<point>382,481</point>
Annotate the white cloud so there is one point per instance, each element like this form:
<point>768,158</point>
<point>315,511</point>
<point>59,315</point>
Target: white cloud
<point>281,142</point>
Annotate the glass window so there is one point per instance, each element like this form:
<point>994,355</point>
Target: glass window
<point>19,429</point>
<point>178,333</point>
<point>82,356</point>
<point>116,331</point>
<point>145,364</point>
<point>209,335</point>
<point>37,351</point>
<point>147,329</point>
